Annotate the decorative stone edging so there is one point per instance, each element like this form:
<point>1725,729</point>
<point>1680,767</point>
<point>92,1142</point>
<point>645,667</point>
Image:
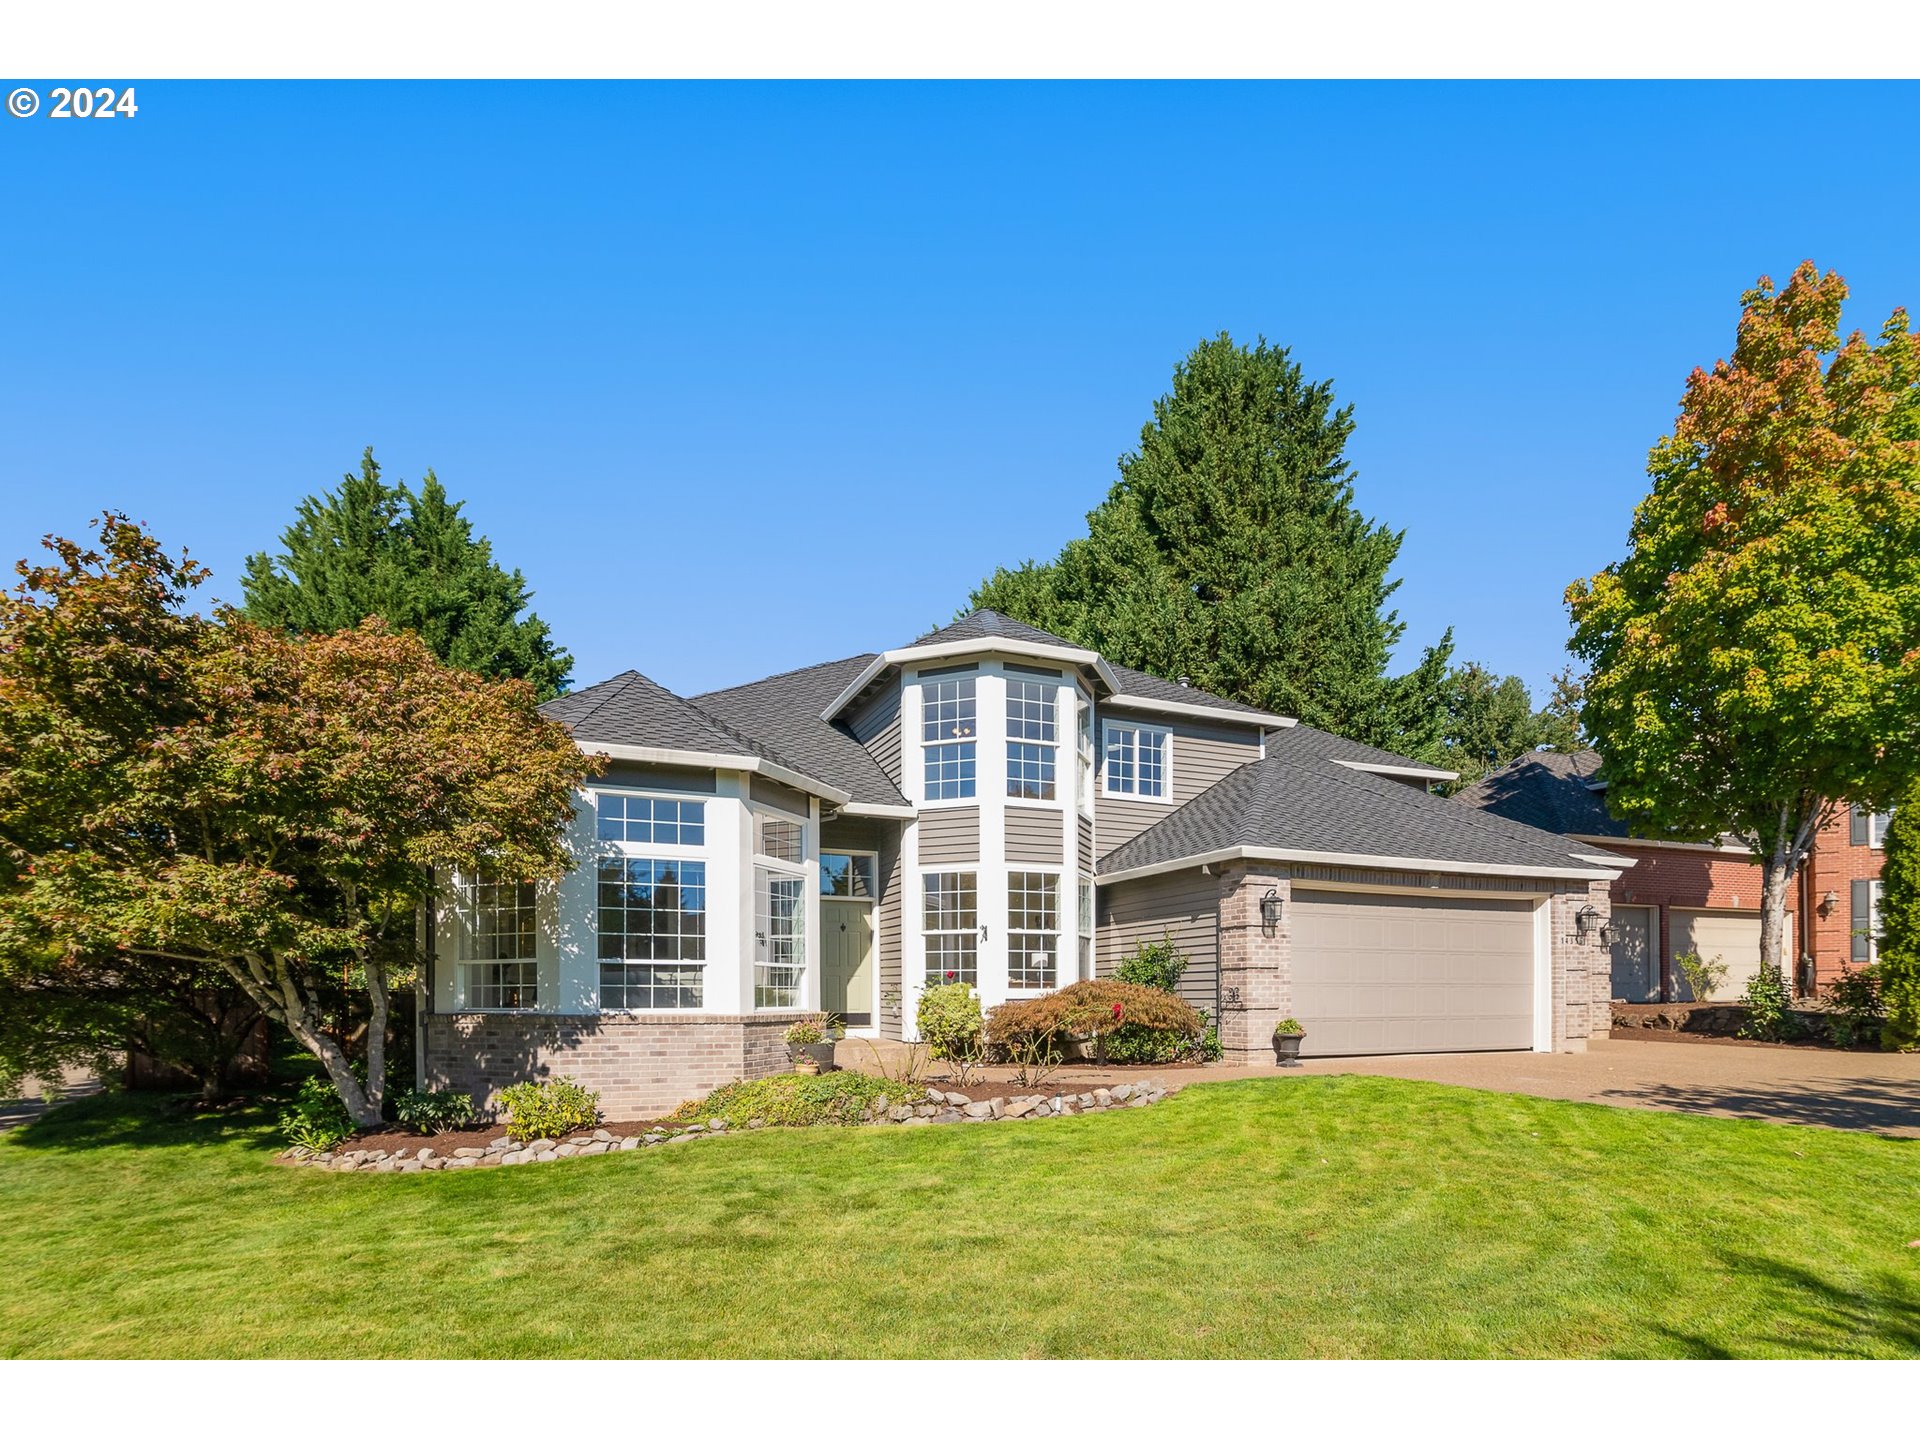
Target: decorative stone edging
<point>938,1107</point>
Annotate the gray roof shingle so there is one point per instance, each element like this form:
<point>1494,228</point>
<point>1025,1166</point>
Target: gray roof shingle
<point>991,625</point>
<point>630,709</point>
<point>1298,799</point>
<point>1548,790</point>
<point>785,709</point>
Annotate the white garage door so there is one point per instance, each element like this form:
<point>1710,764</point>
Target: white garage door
<point>1385,974</point>
<point>1712,935</point>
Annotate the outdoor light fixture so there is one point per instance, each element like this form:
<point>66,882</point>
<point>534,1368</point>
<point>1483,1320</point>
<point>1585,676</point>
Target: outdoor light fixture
<point>1270,911</point>
<point>1586,922</point>
<point>1606,934</point>
<point>1829,900</point>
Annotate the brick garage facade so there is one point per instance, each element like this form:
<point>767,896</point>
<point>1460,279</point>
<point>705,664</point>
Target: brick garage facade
<point>1670,877</point>
<point>1256,965</point>
<point>642,1065</point>
<point>1835,864</point>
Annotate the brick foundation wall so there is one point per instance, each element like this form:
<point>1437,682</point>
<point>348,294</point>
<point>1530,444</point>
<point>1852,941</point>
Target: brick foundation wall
<point>642,1065</point>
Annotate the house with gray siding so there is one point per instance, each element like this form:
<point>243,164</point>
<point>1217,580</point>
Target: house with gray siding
<point>996,806</point>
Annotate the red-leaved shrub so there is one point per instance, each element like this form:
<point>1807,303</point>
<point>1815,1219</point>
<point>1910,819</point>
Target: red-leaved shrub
<point>1090,1007</point>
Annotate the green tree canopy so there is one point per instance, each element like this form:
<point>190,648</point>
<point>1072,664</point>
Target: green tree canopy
<point>1900,926</point>
<point>1756,654</point>
<point>1231,552</point>
<point>212,795</point>
<point>369,548</point>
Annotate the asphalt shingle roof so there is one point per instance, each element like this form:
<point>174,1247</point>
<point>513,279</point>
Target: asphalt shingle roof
<point>785,709</point>
<point>630,709</point>
<point>1548,790</point>
<point>991,625</point>
<point>1298,799</point>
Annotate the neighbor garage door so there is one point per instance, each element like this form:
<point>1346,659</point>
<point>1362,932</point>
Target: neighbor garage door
<point>1384,974</point>
<point>1732,939</point>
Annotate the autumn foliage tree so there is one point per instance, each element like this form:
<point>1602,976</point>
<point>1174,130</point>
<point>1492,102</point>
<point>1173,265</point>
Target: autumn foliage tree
<point>1755,657</point>
<point>265,808</point>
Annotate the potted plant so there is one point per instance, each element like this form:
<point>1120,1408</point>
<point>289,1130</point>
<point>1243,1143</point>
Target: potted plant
<point>1287,1036</point>
<point>810,1047</point>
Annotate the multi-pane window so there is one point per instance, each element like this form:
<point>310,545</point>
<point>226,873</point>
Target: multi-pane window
<point>1086,928</point>
<point>950,923</point>
<point>780,921</point>
<point>1138,758</point>
<point>779,838</point>
<point>1031,734</point>
<point>643,820</point>
<point>653,933</point>
<point>1083,748</point>
<point>501,973</point>
<point>850,876</point>
<point>1033,930</point>
<point>947,728</point>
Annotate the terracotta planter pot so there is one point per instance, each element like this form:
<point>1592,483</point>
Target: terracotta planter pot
<point>1286,1049</point>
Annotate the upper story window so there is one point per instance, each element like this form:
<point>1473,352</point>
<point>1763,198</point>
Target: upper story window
<point>501,972</point>
<point>947,730</point>
<point>1031,734</point>
<point>779,838</point>
<point>1866,921</point>
<point>645,820</point>
<point>1869,829</point>
<point>1139,761</point>
<point>1083,749</point>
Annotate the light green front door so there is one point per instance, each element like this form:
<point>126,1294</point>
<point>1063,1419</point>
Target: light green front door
<point>846,974</point>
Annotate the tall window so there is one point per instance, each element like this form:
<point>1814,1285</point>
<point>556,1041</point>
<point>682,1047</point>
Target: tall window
<point>1139,759</point>
<point>780,924</point>
<point>946,737</point>
<point>1033,930</point>
<point>653,933</point>
<point>1083,749</point>
<point>779,838</point>
<point>643,820</point>
<point>1086,928</point>
<point>501,972</point>
<point>1030,738</point>
<point>950,921</point>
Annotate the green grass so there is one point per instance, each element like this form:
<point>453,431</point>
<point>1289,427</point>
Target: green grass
<point>1301,1217</point>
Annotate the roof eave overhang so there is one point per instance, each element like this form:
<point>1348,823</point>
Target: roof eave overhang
<point>1711,847</point>
<point>948,649</point>
<point>718,760</point>
<point>1601,869</point>
<point>864,810</point>
<point>1400,772</point>
<point>1259,718</point>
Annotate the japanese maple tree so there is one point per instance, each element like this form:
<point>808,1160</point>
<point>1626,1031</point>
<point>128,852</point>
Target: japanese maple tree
<point>1755,656</point>
<point>272,808</point>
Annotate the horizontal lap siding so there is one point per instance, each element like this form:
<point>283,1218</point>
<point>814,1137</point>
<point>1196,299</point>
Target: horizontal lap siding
<point>1202,756</point>
<point>1086,844</point>
<point>878,728</point>
<point>950,837</point>
<point>1035,837</point>
<point>1183,907</point>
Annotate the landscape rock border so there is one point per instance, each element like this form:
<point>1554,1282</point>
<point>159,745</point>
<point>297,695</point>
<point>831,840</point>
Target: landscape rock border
<point>937,1107</point>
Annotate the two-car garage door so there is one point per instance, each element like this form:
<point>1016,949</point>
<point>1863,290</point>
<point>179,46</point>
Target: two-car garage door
<point>1383,974</point>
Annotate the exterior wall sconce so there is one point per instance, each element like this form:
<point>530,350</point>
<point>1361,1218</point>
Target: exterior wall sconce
<point>1606,934</point>
<point>1587,922</point>
<point>1270,911</point>
<point>1828,901</point>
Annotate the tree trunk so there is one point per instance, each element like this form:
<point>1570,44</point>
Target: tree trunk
<point>1798,822</point>
<point>377,1009</point>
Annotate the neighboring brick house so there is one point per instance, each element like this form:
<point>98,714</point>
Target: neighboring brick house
<point>995,805</point>
<point>1699,897</point>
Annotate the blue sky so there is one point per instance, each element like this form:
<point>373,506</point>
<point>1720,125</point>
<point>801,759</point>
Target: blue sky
<point>748,376</point>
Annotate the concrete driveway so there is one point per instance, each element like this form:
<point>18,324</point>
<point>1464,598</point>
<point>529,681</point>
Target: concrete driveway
<point>1791,1085</point>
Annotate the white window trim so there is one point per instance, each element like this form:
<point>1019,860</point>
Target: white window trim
<point>849,850</point>
<point>1107,727</point>
<point>783,870</point>
<point>1875,894</point>
<point>1063,891</point>
<point>463,988</point>
<point>920,903</point>
<point>1877,823</point>
<point>704,853</point>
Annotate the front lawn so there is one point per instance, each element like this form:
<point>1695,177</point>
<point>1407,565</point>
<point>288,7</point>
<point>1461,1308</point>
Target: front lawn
<point>1300,1217</point>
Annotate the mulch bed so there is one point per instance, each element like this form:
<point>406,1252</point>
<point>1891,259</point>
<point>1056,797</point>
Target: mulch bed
<point>1688,1037</point>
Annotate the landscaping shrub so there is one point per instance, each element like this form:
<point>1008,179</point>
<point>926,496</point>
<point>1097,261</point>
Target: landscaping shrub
<point>1767,1001</point>
<point>548,1109</point>
<point>1899,964</point>
<point>1157,964</point>
<point>840,1097</point>
<point>1703,976</point>
<point>317,1119</point>
<point>949,1020</point>
<point>1096,1008</point>
<point>433,1112</point>
<point>804,1032</point>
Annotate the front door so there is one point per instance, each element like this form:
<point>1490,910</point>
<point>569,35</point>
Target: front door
<point>847,968</point>
<point>1636,964</point>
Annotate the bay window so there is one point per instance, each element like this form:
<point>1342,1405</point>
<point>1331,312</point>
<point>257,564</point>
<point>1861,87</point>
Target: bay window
<point>780,925</point>
<point>1031,737</point>
<point>652,933</point>
<point>947,731</point>
<point>1033,930</point>
<point>950,925</point>
<point>501,972</point>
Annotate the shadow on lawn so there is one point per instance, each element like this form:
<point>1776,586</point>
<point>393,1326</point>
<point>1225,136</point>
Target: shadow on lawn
<point>122,1118</point>
<point>1815,1317</point>
<point>1882,1107</point>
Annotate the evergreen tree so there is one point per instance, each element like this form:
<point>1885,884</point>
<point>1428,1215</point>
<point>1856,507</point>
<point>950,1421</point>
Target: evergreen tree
<point>1231,552</point>
<point>1899,965</point>
<point>370,548</point>
<point>1491,720</point>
